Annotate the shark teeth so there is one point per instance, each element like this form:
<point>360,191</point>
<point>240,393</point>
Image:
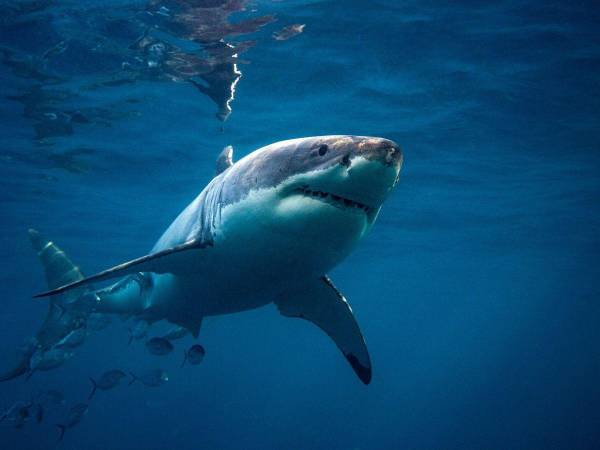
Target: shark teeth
<point>335,199</point>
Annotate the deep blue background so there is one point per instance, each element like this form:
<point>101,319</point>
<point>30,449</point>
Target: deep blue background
<point>477,290</point>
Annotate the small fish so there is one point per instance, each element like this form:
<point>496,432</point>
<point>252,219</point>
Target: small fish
<point>49,359</point>
<point>22,415</point>
<point>288,32</point>
<point>159,346</point>
<point>194,355</point>
<point>98,321</point>
<point>138,331</point>
<point>109,380</point>
<point>17,413</point>
<point>74,416</point>
<point>152,378</point>
<point>50,397</point>
<point>74,339</point>
<point>175,333</point>
<point>55,50</point>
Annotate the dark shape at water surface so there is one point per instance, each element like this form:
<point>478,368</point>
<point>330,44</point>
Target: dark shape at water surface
<point>159,346</point>
<point>219,85</point>
<point>39,102</point>
<point>49,115</point>
<point>178,41</point>
<point>69,160</point>
<point>28,66</point>
<point>212,68</point>
<point>16,8</point>
<point>53,125</point>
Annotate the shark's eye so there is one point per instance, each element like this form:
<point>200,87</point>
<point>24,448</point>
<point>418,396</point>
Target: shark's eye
<point>323,149</point>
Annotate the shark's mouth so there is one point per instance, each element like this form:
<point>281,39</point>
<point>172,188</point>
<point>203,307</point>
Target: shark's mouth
<point>334,199</point>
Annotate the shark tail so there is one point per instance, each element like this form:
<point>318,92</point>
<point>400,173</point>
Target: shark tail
<point>68,310</point>
<point>58,270</point>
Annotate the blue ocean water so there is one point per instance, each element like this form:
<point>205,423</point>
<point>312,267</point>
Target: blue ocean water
<point>477,290</point>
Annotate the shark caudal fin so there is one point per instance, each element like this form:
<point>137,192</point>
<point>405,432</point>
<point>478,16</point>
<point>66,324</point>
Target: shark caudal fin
<point>58,268</point>
<point>61,318</point>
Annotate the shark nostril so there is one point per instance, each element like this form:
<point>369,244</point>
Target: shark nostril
<point>346,160</point>
<point>392,155</point>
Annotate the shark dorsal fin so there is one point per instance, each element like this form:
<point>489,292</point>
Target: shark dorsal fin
<point>225,160</point>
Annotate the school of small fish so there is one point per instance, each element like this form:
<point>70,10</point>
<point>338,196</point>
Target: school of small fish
<point>34,410</point>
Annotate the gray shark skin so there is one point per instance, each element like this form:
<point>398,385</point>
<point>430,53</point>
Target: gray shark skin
<point>266,229</point>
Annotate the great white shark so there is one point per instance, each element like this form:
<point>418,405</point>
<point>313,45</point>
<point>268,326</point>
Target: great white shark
<point>267,229</point>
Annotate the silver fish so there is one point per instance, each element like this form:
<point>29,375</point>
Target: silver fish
<point>107,381</point>
<point>18,413</point>
<point>98,321</point>
<point>49,359</point>
<point>138,331</point>
<point>50,397</point>
<point>152,378</point>
<point>194,355</point>
<point>74,339</point>
<point>175,333</point>
<point>159,346</point>
<point>74,416</point>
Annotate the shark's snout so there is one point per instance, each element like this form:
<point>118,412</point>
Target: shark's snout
<point>382,150</point>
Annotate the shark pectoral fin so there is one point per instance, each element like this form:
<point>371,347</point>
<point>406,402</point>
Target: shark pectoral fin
<point>164,261</point>
<point>325,306</point>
